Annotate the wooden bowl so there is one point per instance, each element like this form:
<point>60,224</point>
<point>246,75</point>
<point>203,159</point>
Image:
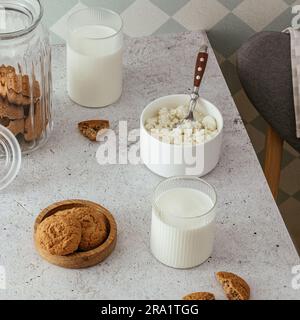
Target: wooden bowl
<point>79,260</point>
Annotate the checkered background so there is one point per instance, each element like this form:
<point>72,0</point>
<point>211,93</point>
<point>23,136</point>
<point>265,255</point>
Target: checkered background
<point>229,23</point>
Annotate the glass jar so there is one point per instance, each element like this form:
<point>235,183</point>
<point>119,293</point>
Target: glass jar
<point>25,73</point>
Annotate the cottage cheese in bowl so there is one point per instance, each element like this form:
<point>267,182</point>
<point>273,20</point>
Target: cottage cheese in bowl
<point>169,126</point>
<point>172,146</point>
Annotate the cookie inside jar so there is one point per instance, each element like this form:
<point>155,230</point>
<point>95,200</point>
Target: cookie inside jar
<point>23,108</point>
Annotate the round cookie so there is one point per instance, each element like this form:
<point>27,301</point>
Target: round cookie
<point>93,225</point>
<point>59,235</point>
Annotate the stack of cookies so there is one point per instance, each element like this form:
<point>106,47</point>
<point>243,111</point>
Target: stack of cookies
<point>21,110</point>
<point>74,230</point>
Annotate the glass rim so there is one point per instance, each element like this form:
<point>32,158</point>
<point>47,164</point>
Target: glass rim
<point>15,162</point>
<point>98,8</point>
<point>35,22</point>
<point>191,178</point>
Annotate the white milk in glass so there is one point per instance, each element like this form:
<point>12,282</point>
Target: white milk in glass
<point>94,65</point>
<point>183,228</point>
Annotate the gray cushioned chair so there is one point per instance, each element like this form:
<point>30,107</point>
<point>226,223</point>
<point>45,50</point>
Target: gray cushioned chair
<point>264,68</point>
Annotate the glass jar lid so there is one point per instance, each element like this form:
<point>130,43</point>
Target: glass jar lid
<point>18,18</point>
<point>10,157</point>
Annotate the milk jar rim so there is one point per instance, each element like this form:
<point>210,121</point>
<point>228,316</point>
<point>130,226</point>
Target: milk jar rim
<point>97,8</point>
<point>157,210</point>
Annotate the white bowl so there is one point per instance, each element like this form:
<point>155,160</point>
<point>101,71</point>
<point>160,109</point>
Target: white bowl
<point>169,160</point>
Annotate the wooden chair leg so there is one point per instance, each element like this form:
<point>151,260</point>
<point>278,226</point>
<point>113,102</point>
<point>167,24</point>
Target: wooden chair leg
<point>274,149</point>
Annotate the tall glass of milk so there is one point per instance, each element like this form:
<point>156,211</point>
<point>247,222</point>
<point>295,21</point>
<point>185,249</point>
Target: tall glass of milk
<point>94,57</point>
<point>183,222</point>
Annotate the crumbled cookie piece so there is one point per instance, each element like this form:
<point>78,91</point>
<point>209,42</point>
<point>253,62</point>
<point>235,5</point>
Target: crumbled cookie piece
<point>11,111</point>
<point>14,88</point>
<point>59,235</point>
<point>26,90</point>
<point>90,129</point>
<point>200,296</point>
<point>4,71</point>
<point>16,126</point>
<point>93,224</point>
<point>36,90</point>
<point>4,121</point>
<point>234,286</point>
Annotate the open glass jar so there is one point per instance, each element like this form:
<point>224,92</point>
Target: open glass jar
<point>25,73</point>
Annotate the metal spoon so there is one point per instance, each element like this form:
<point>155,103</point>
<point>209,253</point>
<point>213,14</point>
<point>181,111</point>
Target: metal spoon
<point>199,72</point>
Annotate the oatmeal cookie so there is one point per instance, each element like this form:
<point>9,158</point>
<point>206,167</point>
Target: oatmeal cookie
<point>93,224</point>
<point>59,235</point>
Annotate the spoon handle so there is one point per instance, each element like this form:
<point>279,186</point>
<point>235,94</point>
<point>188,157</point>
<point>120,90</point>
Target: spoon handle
<point>199,72</point>
<point>200,66</point>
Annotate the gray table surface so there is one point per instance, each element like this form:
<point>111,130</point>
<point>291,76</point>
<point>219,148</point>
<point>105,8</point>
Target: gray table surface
<point>251,237</point>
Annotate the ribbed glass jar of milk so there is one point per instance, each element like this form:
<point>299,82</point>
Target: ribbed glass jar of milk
<point>94,57</point>
<point>183,222</point>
